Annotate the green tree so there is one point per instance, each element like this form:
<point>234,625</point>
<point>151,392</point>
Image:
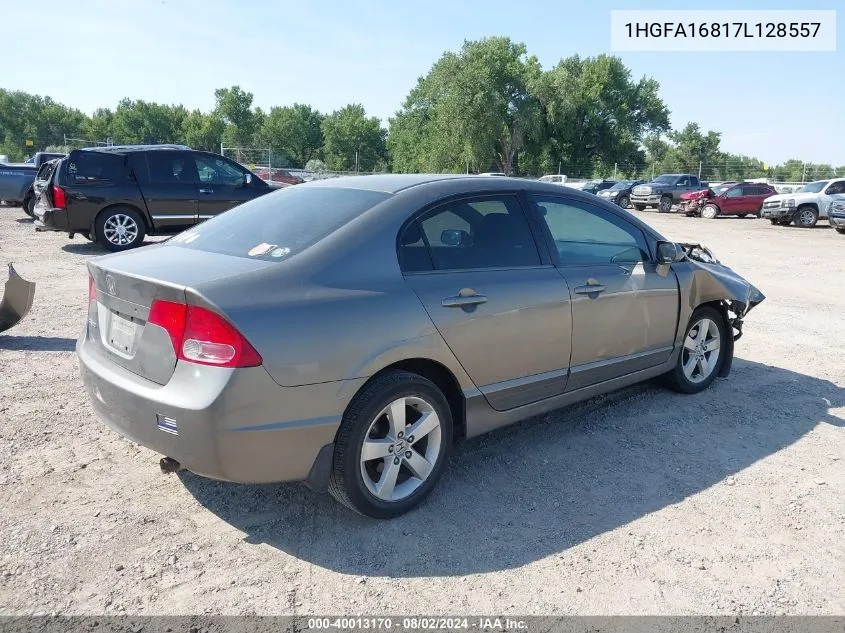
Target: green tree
<point>351,139</point>
<point>147,122</point>
<point>203,130</point>
<point>295,131</point>
<point>234,107</point>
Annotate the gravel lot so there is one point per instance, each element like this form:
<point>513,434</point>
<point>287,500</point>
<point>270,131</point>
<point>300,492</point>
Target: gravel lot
<point>642,502</point>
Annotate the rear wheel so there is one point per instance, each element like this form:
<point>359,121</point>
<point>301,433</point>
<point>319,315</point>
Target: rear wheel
<point>701,355</point>
<point>392,446</point>
<point>842,231</point>
<point>119,229</point>
<point>710,212</point>
<point>806,217</point>
<point>625,202</point>
<point>29,206</point>
<point>665,204</point>
<point>774,221</point>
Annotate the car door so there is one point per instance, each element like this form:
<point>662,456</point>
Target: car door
<point>754,196</point>
<point>494,296</point>
<point>624,305</point>
<point>732,201</point>
<point>168,181</point>
<point>222,184</point>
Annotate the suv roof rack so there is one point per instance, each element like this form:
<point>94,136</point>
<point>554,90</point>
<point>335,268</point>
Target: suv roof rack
<point>135,148</point>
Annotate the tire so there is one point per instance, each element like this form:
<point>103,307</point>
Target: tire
<point>704,367</point>
<point>710,212</point>
<point>29,206</point>
<point>354,481</point>
<point>624,202</point>
<point>806,217</point>
<point>774,221</point>
<point>665,204</point>
<point>840,231</point>
<point>639,207</point>
<point>87,236</point>
<point>109,223</point>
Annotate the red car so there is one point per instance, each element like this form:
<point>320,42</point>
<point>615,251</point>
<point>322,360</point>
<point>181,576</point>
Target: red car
<point>743,199</point>
<point>277,175</point>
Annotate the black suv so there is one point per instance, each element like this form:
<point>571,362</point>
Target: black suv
<point>117,195</point>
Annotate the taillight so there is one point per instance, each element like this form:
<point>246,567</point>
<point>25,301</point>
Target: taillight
<point>202,336</point>
<point>59,197</point>
<point>92,290</point>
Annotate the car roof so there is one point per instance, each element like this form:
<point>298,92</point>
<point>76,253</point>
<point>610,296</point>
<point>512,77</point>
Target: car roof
<point>394,183</point>
<point>127,149</point>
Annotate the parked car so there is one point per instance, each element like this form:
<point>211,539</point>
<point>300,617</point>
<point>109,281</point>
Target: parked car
<point>594,186</point>
<point>692,202</point>
<point>743,199</point>
<point>806,206</point>
<point>277,175</point>
<point>117,195</point>
<point>302,336</point>
<point>16,179</point>
<point>42,180</point>
<point>665,191</point>
<point>620,192</point>
<point>559,179</point>
<point>836,214</point>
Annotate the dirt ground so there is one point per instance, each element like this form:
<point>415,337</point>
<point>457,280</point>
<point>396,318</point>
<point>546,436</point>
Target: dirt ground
<point>642,502</point>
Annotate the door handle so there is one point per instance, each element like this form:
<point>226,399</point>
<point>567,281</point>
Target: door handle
<point>462,301</point>
<point>206,190</point>
<point>590,289</point>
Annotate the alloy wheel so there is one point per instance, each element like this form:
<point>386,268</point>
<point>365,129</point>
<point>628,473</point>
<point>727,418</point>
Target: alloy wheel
<point>701,350</point>
<point>400,448</point>
<point>120,229</point>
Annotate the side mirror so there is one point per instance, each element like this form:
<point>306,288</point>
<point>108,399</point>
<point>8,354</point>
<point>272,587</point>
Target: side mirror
<point>247,179</point>
<point>670,252</point>
<point>454,237</point>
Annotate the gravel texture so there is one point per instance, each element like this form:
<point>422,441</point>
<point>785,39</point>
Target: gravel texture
<point>640,502</point>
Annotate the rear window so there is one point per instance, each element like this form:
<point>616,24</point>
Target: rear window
<point>45,171</point>
<point>84,166</point>
<point>278,225</point>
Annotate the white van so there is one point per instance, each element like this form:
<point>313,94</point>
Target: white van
<point>558,179</point>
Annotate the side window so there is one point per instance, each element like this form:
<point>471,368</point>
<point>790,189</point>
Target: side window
<point>489,232</point>
<point>168,167</point>
<point>218,171</point>
<point>694,181</point>
<point>683,182</point>
<point>95,166</point>
<point>735,192</point>
<point>584,234</point>
<point>836,187</point>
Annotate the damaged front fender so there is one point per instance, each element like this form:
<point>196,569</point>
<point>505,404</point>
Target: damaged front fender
<point>17,300</point>
<point>703,279</point>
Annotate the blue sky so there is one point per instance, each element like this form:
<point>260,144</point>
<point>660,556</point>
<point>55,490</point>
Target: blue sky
<point>329,53</point>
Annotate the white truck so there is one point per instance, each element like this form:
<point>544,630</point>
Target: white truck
<point>806,206</point>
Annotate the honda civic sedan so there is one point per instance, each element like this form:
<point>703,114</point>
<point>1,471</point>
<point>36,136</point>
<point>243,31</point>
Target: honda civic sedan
<point>347,332</point>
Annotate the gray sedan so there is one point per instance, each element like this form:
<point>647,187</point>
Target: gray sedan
<point>346,332</point>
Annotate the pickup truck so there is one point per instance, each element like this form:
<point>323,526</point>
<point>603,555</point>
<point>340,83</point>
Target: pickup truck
<point>664,191</point>
<point>806,206</point>
<point>16,179</point>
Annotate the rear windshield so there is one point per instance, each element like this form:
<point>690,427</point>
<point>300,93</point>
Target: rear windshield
<point>280,224</point>
<point>92,165</point>
<point>45,171</point>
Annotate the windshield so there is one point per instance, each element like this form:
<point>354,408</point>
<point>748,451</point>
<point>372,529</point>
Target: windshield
<point>812,187</point>
<point>622,184</point>
<point>668,180</point>
<point>279,225</point>
<point>720,188</point>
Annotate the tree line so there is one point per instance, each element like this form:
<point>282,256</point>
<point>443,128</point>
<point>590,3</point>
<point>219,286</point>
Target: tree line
<point>487,107</point>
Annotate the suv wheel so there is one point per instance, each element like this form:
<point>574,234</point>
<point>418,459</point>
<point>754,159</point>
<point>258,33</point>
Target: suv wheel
<point>29,206</point>
<point>710,212</point>
<point>624,202</point>
<point>392,446</point>
<point>701,355</point>
<point>119,229</point>
<point>665,204</point>
<point>806,217</point>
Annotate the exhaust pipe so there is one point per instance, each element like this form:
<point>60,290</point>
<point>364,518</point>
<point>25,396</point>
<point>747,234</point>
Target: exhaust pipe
<point>169,465</point>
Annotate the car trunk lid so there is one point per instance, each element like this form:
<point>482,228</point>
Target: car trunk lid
<point>122,290</point>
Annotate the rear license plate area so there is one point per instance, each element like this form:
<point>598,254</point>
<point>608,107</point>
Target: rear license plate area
<point>121,333</point>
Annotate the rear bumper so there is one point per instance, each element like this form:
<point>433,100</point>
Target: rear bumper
<point>233,425</point>
<point>51,219</point>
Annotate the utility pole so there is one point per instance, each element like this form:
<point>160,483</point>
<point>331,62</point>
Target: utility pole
<point>356,161</point>
<point>614,170</point>
<point>699,170</point>
<point>804,173</point>
<point>652,172</point>
<point>559,164</point>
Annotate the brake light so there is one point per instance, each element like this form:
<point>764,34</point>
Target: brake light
<point>202,336</point>
<point>92,290</point>
<point>59,197</point>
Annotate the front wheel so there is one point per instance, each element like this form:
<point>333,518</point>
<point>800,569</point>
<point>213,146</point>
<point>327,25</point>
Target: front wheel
<point>806,217</point>
<point>119,229</point>
<point>665,204</point>
<point>701,356</point>
<point>392,446</point>
<point>710,212</point>
<point>840,231</point>
<point>624,202</point>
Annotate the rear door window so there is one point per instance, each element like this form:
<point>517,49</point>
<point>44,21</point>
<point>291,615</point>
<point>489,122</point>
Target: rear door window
<point>281,224</point>
<point>89,166</point>
<point>169,167</point>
